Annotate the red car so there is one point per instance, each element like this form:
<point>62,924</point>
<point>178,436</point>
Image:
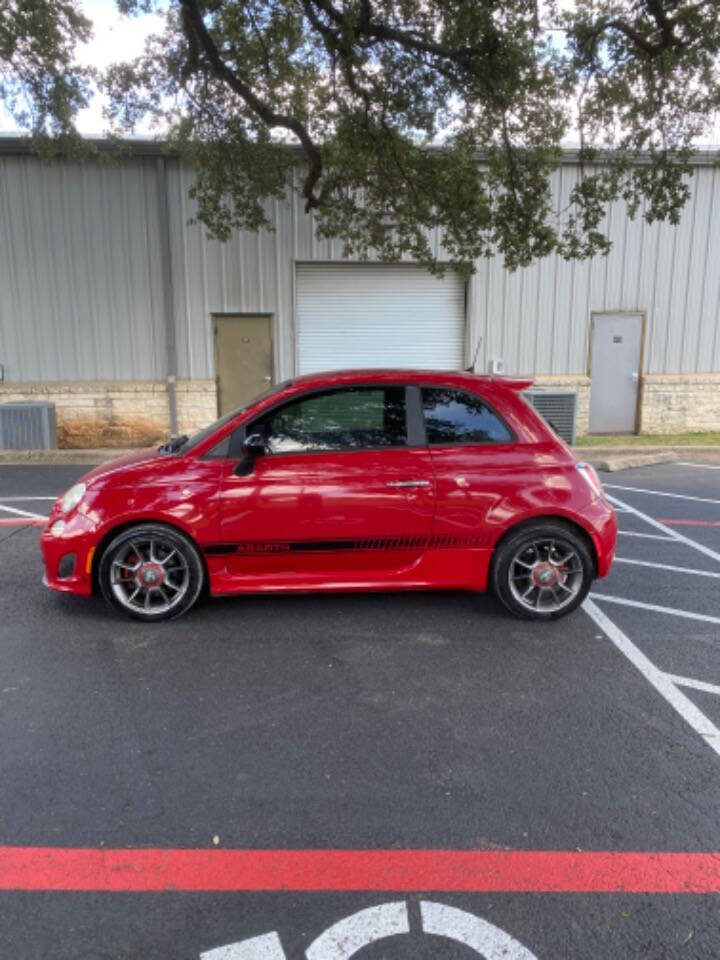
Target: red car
<point>357,480</point>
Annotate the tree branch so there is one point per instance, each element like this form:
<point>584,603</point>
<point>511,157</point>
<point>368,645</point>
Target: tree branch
<point>667,41</point>
<point>366,27</point>
<point>198,36</point>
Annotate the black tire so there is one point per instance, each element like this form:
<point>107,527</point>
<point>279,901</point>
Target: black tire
<point>165,558</point>
<point>514,571</point>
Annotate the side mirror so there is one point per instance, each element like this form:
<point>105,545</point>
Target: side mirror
<point>253,447</point>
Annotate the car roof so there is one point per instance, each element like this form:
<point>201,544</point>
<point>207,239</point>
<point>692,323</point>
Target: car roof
<point>401,375</point>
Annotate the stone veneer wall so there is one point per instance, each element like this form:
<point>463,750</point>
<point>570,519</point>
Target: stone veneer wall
<point>680,402</point>
<point>112,413</point>
<point>669,402</point>
<point>135,413</point>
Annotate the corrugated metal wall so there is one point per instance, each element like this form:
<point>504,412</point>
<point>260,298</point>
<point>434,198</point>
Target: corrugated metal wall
<point>81,288</point>
<point>80,280</point>
<point>538,319</point>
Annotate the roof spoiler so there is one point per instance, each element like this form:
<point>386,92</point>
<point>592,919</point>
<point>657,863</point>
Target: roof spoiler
<point>514,383</point>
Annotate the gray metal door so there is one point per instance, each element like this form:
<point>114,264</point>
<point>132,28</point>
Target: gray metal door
<point>615,371</point>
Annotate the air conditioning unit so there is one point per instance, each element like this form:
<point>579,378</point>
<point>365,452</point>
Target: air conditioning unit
<point>558,407</point>
<point>28,426</point>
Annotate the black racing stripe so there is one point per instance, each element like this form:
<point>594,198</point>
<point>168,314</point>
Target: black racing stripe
<point>257,548</point>
<point>218,549</point>
<point>308,546</point>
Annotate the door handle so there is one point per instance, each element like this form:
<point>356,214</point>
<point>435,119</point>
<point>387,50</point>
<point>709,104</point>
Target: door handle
<point>634,376</point>
<point>408,483</point>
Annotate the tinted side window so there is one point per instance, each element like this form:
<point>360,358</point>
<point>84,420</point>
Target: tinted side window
<point>452,416</point>
<point>350,419</point>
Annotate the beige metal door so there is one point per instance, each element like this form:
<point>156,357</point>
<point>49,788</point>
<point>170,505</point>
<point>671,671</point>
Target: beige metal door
<point>243,359</point>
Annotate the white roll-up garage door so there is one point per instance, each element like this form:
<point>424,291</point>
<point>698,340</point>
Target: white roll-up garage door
<point>378,315</point>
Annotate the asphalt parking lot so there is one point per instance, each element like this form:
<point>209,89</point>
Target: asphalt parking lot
<point>523,761</point>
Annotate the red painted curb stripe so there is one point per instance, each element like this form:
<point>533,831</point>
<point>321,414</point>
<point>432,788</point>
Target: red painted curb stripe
<point>23,522</point>
<point>670,522</point>
<point>50,868</point>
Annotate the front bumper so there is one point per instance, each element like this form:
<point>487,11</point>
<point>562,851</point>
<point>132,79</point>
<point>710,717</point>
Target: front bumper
<point>68,557</point>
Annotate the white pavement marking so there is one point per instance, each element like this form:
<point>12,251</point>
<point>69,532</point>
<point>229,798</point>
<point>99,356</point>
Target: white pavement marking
<point>668,566</point>
<point>483,937</point>
<point>646,536</point>
<point>671,611</point>
<point>23,513</point>
<point>22,499</point>
<point>266,947</point>
<point>705,466</point>
<point>672,534</point>
<point>695,684</point>
<point>352,933</point>
<point>660,493</point>
<point>662,682</point>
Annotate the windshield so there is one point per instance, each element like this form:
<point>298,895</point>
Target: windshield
<point>201,435</point>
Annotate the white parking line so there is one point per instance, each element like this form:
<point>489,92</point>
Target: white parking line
<point>668,531</point>
<point>645,536</point>
<point>662,682</point>
<point>23,513</point>
<point>655,608</point>
<point>351,934</point>
<point>668,566</point>
<point>484,938</point>
<point>265,947</point>
<point>704,466</point>
<point>695,684</point>
<point>23,499</point>
<point>660,493</point>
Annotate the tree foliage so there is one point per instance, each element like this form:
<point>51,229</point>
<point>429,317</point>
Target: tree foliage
<point>41,85</point>
<point>400,119</point>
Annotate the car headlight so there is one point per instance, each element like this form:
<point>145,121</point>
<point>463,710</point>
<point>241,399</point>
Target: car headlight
<point>73,497</point>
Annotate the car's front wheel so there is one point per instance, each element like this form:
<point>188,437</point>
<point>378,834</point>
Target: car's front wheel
<point>151,572</point>
<point>543,571</point>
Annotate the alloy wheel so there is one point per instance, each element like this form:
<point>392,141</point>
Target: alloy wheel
<point>149,574</point>
<point>545,575</point>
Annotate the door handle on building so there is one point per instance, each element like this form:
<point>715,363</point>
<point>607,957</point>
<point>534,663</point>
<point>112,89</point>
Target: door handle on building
<point>408,483</point>
<point>634,376</point>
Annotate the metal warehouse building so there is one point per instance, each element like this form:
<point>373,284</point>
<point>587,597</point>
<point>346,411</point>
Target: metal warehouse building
<point>126,316</point>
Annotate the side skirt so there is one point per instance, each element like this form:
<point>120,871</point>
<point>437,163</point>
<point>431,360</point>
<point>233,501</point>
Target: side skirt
<point>441,569</point>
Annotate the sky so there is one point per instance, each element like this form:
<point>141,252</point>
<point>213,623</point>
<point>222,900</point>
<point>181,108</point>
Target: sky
<point>114,38</point>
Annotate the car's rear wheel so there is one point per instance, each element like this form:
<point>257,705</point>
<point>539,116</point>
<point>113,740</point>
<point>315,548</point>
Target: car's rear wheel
<point>151,572</point>
<point>543,571</point>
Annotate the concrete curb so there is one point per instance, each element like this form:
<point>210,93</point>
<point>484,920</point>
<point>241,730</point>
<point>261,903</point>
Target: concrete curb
<point>625,461</point>
<point>637,449</point>
<point>90,457</point>
<point>622,458</point>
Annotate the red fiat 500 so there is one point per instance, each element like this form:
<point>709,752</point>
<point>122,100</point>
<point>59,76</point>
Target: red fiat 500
<point>359,480</point>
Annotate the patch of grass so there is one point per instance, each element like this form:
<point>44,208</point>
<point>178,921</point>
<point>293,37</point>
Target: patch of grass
<point>649,440</point>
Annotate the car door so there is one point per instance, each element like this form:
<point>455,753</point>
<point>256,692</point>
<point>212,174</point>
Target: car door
<point>341,488</point>
<point>474,457</point>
